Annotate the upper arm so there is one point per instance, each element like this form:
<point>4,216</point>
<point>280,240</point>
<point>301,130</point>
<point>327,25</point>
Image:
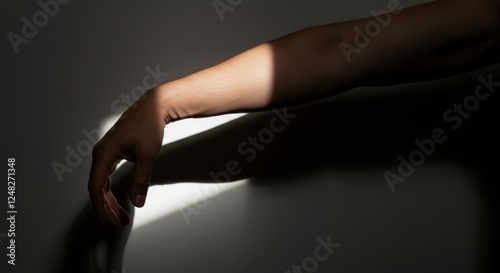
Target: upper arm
<point>433,39</point>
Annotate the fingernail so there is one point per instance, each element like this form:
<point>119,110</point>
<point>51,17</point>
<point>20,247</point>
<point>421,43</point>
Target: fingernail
<point>140,199</point>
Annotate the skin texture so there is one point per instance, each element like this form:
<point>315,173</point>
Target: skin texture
<point>433,40</point>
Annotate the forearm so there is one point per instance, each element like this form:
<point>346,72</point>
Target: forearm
<point>291,69</point>
<point>427,41</point>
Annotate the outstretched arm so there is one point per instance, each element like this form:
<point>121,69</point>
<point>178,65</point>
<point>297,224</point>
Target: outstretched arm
<point>428,41</point>
<point>423,42</point>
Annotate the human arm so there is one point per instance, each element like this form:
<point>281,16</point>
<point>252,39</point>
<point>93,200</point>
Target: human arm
<point>296,68</point>
<point>432,40</point>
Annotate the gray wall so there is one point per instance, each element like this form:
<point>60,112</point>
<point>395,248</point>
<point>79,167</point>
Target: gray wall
<point>322,176</point>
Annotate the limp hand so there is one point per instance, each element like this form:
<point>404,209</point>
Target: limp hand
<point>137,137</point>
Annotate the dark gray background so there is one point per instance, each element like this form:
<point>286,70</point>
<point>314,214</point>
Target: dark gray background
<point>323,176</point>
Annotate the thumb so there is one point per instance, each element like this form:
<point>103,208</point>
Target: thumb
<point>140,181</point>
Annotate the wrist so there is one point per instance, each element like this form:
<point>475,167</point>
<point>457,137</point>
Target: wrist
<point>174,107</point>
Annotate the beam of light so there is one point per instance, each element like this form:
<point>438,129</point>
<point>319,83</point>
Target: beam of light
<point>164,200</point>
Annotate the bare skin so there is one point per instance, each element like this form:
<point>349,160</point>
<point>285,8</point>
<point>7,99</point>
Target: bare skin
<point>429,41</point>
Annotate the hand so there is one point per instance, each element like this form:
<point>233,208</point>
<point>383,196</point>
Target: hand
<point>137,137</point>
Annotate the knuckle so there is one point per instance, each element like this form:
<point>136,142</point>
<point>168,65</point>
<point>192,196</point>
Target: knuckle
<point>142,181</point>
<point>144,151</point>
<point>147,153</point>
<point>97,149</point>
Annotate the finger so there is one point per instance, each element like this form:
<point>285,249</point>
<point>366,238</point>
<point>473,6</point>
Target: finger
<point>123,216</point>
<point>111,216</point>
<point>140,181</point>
<point>114,206</point>
<point>107,185</point>
<point>99,174</point>
<point>115,166</point>
<point>118,210</point>
<point>115,214</point>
